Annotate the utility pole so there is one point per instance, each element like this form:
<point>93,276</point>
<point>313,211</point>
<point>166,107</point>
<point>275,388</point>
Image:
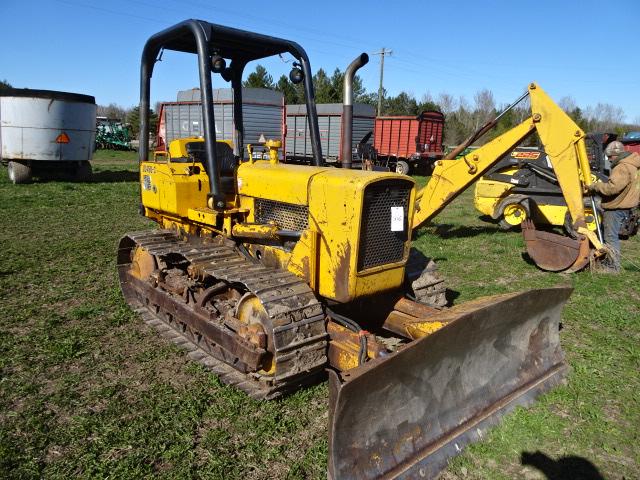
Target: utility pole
<point>382,53</point>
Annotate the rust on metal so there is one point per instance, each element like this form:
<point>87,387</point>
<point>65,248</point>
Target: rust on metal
<point>415,309</point>
<point>404,415</point>
<point>344,347</point>
<point>553,252</point>
<point>247,353</point>
<point>342,270</point>
<point>191,299</point>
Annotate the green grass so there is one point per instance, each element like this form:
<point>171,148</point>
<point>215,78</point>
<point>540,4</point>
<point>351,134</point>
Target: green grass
<point>110,156</point>
<point>87,390</point>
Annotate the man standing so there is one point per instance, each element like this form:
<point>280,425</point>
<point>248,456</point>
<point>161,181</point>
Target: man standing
<point>619,194</point>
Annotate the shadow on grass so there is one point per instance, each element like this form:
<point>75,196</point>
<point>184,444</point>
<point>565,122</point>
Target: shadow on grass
<point>525,256</point>
<point>104,176</point>
<point>115,176</point>
<point>451,295</point>
<point>453,231</point>
<point>565,468</point>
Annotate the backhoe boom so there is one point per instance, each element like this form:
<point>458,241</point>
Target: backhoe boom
<point>563,142</point>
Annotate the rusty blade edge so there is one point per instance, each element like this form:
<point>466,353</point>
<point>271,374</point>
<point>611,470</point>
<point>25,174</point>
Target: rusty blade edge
<point>439,452</point>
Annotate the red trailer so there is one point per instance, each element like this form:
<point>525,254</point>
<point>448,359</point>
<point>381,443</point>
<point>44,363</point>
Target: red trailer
<point>631,142</point>
<point>404,143</point>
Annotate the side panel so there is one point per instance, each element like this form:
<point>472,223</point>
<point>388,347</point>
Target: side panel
<point>335,211</point>
<point>165,187</point>
<point>431,132</point>
<point>261,117</point>
<point>396,136</point>
<point>30,127</point>
<point>298,143</point>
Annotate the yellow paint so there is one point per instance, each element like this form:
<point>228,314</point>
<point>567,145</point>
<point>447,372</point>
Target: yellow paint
<point>336,199</point>
<point>514,214</point>
<point>178,147</point>
<point>280,182</point>
<point>326,256</point>
<point>423,329</point>
<point>563,143</point>
<point>251,311</point>
<point>252,230</point>
<point>142,264</point>
<point>303,261</point>
<point>451,177</point>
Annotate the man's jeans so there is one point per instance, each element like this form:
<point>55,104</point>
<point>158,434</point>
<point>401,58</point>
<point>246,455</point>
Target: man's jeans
<point>612,220</point>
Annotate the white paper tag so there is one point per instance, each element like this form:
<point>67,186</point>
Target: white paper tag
<point>397,219</point>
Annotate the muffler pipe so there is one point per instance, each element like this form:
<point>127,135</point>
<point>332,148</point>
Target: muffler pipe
<point>347,109</point>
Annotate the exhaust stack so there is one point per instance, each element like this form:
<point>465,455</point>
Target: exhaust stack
<point>347,109</point>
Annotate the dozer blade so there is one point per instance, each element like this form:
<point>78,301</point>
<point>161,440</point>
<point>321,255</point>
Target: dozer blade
<point>405,415</point>
<point>553,252</point>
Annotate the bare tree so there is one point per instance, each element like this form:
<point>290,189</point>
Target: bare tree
<point>447,103</point>
<point>112,111</point>
<point>567,103</point>
<point>605,117</point>
<point>485,107</point>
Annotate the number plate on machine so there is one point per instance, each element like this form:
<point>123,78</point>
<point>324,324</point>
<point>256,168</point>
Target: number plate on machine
<point>397,219</point>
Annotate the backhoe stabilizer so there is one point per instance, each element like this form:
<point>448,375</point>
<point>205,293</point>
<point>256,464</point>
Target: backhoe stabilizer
<point>405,415</point>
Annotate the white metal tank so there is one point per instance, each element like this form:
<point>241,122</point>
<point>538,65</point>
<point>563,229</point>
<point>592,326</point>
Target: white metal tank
<point>42,131</point>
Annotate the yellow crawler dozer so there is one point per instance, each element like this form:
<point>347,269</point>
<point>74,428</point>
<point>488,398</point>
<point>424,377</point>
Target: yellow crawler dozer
<point>272,274</point>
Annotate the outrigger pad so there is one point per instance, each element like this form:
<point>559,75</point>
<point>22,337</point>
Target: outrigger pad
<point>553,252</point>
<point>405,415</point>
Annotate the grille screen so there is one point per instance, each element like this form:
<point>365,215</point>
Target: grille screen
<point>378,244</point>
<point>286,215</point>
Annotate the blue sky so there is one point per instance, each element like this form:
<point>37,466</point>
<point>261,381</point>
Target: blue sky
<point>587,49</point>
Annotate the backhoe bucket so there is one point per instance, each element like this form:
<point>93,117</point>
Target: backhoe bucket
<point>405,415</point>
<point>553,252</point>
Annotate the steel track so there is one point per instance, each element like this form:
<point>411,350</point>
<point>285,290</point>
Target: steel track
<point>297,319</point>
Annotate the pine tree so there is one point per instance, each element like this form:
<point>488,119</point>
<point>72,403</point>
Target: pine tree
<point>259,79</point>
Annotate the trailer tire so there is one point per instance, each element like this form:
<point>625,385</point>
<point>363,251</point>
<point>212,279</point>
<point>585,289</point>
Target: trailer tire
<point>19,172</point>
<point>83,172</point>
<point>402,167</point>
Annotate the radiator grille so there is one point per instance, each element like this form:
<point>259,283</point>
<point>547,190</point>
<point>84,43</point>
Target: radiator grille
<point>378,244</point>
<point>287,216</point>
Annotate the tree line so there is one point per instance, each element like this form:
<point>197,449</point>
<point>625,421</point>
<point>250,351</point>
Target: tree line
<point>462,117</point>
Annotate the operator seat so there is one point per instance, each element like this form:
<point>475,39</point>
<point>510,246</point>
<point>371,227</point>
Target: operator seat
<point>226,163</point>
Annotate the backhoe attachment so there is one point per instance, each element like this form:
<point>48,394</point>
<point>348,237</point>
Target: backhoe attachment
<point>404,415</point>
<point>565,147</point>
<point>553,252</point>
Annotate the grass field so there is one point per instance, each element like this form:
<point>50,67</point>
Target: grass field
<point>87,390</point>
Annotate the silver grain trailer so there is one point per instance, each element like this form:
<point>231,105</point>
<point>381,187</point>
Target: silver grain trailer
<point>46,133</point>
<point>262,112</point>
<point>298,141</point>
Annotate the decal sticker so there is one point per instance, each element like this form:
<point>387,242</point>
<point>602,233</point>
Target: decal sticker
<point>397,219</point>
<point>526,155</point>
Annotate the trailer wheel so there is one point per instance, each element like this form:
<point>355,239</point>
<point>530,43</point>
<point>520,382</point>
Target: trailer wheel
<point>402,167</point>
<point>83,172</point>
<point>19,172</point>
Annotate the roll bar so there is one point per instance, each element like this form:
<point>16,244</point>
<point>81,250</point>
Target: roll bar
<point>241,47</point>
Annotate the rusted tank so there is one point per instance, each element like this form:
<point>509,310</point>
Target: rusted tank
<point>45,132</point>
<point>404,143</point>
